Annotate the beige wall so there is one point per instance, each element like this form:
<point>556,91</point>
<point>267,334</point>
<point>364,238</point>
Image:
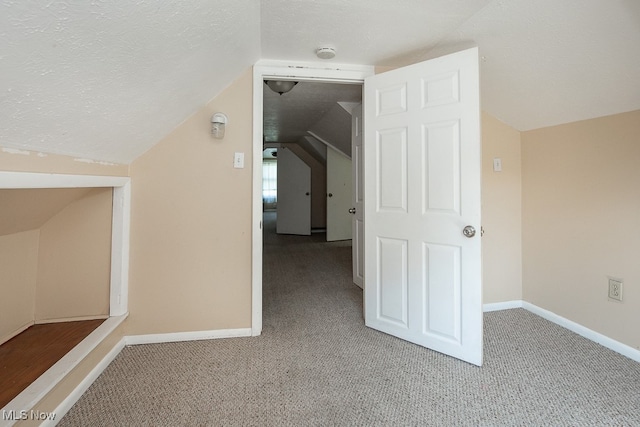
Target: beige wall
<point>501,212</point>
<point>191,224</point>
<point>580,210</point>
<point>30,161</point>
<point>18,266</point>
<point>74,262</point>
<point>27,209</point>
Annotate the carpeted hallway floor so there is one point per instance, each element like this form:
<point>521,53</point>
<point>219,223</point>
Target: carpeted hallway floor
<point>317,364</point>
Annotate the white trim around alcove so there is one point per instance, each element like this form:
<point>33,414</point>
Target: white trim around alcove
<point>120,227</point>
<point>119,282</point>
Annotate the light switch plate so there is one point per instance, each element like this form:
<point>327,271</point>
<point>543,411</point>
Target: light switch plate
<point>238,160</point>
<point>497,164</point>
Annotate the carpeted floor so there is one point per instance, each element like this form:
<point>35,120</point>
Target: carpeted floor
<point>317,364</point>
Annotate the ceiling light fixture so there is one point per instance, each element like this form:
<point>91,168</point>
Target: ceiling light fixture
<point>280,86</point>
<point>325,53</point>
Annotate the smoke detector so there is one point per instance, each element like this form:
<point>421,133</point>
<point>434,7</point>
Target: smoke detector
<point>325,52</point>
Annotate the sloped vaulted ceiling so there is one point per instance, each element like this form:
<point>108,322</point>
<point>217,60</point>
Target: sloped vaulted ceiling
<point>106,80</point>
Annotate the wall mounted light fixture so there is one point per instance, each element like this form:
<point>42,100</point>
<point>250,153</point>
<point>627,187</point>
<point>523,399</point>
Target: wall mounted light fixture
<point>218,123</point>
<point>280,86</point>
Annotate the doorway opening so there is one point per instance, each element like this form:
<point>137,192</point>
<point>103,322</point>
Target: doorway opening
<point>317,140</point>
<point>307,181</point>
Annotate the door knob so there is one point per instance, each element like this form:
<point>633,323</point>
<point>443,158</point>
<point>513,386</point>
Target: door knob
<point>306,194</point>
<point>469,231</point>
<point>352,210</point>
<point>330,194</point>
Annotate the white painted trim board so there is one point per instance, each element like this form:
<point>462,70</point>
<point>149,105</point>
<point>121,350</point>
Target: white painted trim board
<point>64,406</point>
<point>583,331</point>
<point>505,305</point>
<point>594,336</point>
<point>47,381</point>
<point>187,336</point>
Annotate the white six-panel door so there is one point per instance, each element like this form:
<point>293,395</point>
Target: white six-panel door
<point>294,194</point>
<point>422,188</point>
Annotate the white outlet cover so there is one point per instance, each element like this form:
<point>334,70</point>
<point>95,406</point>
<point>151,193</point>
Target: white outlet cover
<point>615,289</point>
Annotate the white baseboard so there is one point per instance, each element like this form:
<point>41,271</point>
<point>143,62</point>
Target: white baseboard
<point>597,337</point>
<point>187,336</point>
<point>504,305</point>
<point>70,319</point>
<point>589,334</point>
<point>86,382</point>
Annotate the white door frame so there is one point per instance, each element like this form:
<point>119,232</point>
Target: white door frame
<point>283,70</point>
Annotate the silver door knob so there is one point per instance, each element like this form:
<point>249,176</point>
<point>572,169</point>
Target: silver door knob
<point>352,210</point>
<point>469,231</point>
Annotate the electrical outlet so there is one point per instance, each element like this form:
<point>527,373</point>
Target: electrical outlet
<point>615,289</point>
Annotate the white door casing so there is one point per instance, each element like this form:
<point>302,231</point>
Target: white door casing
<point>422,187</point>
<point>282,70</point>
<point>294,194</point>
<point>357,197</point>
<point>338,196</point>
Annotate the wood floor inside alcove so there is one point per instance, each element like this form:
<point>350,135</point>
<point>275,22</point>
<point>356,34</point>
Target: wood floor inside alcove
<point>28,355</point>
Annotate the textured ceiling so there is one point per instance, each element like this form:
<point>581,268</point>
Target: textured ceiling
<point>106,80</point>
<point>288,117</point>
<point>547,62</point>
<point>368,32</point>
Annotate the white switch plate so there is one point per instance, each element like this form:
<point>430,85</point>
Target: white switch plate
<point>497,164</point>
<point>238,160</point>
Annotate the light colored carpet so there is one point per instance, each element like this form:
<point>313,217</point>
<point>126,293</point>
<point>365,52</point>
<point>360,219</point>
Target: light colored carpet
<point>317,364</point>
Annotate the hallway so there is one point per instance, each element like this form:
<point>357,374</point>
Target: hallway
<point>305,277</point>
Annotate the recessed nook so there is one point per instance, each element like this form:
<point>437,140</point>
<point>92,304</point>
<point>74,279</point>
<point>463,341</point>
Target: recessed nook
<point>117,269</point>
